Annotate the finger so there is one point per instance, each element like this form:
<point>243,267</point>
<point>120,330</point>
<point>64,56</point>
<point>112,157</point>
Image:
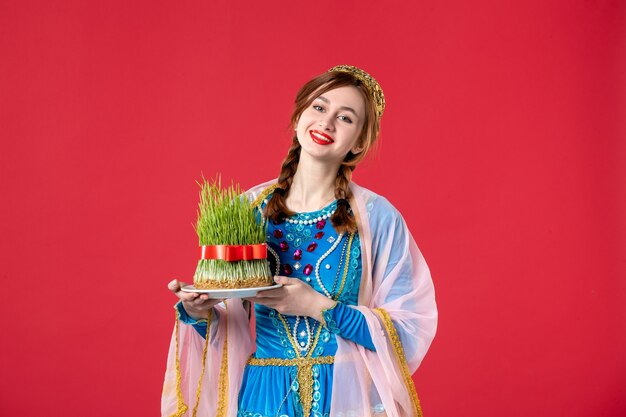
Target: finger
<point>187,296</point>
<point>286,281</point>
<point>277,292</point>
<point>174,286</point>
<point>203,300</point>
<point>267,302</point>
<point>279,279</point>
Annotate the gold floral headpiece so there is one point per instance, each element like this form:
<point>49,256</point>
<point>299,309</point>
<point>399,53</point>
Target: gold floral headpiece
<point>372,86</point>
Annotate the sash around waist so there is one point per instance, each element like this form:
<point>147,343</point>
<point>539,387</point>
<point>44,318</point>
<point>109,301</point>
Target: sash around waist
<point>321,360</point>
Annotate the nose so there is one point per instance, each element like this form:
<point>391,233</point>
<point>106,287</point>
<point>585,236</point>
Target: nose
<point>327,122</point>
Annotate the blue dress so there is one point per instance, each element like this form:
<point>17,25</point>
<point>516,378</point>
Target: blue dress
<point>275,383</point>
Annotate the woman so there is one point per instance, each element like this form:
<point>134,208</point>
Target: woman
<point>356,312</point>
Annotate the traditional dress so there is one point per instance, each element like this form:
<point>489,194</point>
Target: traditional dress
<point>358,364</point>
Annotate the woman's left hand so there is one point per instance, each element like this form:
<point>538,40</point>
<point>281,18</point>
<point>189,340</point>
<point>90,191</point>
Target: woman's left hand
<point>294,298</point>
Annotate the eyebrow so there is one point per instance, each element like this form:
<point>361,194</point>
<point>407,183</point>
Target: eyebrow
<point>346,108</point>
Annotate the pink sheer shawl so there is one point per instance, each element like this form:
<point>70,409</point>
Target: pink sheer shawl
<point>396,297</point>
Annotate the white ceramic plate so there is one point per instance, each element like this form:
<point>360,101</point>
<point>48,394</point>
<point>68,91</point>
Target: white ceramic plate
<point>231,292</point>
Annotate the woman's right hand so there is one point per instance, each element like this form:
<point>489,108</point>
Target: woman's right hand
<point>196,305</point>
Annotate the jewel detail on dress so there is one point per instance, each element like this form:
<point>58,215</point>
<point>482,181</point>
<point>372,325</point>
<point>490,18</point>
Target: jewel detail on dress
<point>297,254</point>
<point>312,246</point>
<point>273,252</point>
<point>319,262</point>
<point>319,235</point>
<point>297,265</point>
<point>284,246</point>
<point>287,270</point>
<point>308,269</point>
<point>304,346</point>
<point>278,233</point>
<point>327,266</point>
<point>331,239</point>
<point>320,224</point>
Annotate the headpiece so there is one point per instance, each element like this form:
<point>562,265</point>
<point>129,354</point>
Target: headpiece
<point>372,86</point>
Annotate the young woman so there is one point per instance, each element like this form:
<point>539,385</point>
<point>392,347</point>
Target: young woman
<point>356,312</point>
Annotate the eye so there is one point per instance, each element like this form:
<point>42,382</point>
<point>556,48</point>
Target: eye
<point>318,107</point>
<point>345,119</point>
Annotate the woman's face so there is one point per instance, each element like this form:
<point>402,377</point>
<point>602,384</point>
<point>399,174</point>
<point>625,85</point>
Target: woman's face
<point>331,126</point>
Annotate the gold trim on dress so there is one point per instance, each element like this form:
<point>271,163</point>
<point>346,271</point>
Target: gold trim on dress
<point>264,193</point>
<point>320,360</point>
<point>204,351</point>
<point>222,400</point>
<point>346,268</point>
<point>304,376</point>
<point>181,407</point>
<point>398,350</point>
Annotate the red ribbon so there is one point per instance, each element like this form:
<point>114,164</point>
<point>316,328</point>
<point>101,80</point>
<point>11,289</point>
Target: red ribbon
<point>233,253</point>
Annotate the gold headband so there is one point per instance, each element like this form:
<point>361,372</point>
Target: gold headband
<point>372,86</point>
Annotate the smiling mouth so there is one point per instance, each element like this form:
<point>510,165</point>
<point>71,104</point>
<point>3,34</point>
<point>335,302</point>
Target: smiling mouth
<point>320,138</point>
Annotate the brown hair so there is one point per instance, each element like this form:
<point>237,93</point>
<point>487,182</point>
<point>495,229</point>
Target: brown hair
<point>342,220</point>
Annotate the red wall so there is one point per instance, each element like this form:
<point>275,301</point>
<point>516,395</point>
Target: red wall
<point>503,144</point>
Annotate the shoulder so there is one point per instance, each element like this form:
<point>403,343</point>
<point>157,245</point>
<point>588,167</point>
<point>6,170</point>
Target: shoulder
<point>259,191</point>
<point>379,208</point>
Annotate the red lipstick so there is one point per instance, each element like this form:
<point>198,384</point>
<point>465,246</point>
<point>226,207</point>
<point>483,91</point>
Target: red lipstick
<point>320,138</point>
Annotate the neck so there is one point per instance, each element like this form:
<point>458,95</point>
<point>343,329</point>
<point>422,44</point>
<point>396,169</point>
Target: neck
<point>313,185</point>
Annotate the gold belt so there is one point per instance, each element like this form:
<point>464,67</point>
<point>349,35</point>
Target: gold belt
<point>305,374</point>
<point>321,360</point>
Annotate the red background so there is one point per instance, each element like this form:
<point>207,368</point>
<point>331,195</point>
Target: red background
<point>503,145</point>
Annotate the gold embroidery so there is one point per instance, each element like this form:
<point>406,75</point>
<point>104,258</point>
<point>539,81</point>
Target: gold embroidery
<point>304,376</point>
<point>204,351</point>
<point>345,269</point>
<point>222,401</point>
<point>181,407</point>
<point>401,359</point>
<point>257,201</point>
<point>320,360</point>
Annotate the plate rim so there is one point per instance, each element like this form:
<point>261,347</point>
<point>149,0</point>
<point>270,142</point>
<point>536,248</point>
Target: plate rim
<point>215,293</point>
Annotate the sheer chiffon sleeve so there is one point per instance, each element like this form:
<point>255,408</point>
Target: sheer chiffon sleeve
<point>397,300</point>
